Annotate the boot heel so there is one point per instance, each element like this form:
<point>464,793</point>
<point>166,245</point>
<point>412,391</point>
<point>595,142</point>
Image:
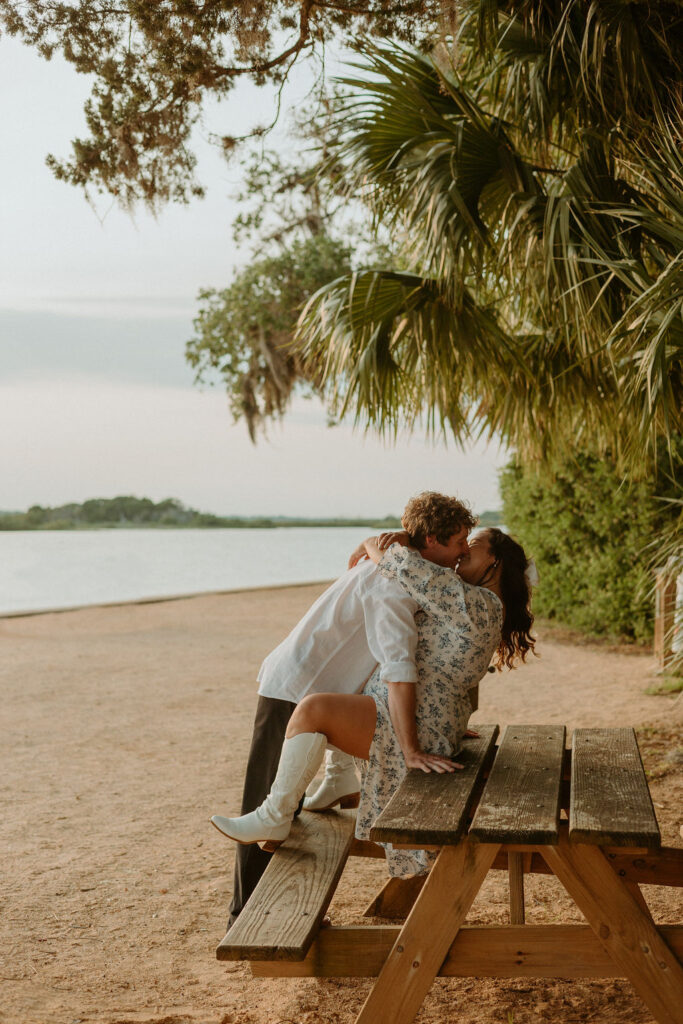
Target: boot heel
<point>270,845</point>
<point>350,801</point>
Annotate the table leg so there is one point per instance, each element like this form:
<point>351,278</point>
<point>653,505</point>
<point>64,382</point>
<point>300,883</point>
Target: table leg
<point>426,937</point>
<point>516,886</point>
<point>634,889</point>
<point>627,933</point>
<point>396,899</point>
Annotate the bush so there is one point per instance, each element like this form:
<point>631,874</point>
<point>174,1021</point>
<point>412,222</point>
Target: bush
<point>591,535</point>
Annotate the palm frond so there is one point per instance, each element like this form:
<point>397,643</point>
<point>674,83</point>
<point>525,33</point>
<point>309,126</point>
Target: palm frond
<point>391,348</point>
<point>540,295</point>
<point>430,159</point>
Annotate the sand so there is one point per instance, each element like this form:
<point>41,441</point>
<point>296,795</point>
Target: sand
<point>125,727</point>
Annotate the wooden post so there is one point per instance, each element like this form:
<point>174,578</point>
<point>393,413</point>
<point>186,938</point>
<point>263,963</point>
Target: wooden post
<point>516,883</point>
<point>665,615</point>
<point>626,932</point>
<point>396,899</point>
<point>427,935</point>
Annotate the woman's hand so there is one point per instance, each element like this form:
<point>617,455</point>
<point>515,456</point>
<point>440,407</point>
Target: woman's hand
<point>374,547</point>
<point>368,549</point>
<point>358,554</point>
<point>471,734</point>
<point>430,762</point>
<point>385,540</point>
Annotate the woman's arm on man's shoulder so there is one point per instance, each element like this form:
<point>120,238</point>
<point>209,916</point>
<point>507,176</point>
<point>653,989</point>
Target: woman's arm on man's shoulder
<point>374,547</point>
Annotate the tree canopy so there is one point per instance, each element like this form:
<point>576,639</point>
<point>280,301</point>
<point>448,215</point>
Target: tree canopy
<point>536,180</point>
<point>243,332</point>
<point>155,64</point>
<point>291,213</point>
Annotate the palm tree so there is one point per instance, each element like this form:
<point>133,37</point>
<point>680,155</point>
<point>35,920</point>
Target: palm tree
<point>533,180</point>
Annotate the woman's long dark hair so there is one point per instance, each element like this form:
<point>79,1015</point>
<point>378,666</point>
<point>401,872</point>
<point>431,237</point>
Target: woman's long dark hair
<point>515,590</point>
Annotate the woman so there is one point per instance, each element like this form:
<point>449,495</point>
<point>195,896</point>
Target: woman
<point>466,618</point>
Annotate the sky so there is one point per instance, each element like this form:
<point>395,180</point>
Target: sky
<point>96,398</point>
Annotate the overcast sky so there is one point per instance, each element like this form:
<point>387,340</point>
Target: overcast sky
<point>95,308</point>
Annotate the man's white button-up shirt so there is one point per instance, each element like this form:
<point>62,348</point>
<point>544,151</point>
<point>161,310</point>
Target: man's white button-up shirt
<point>362,620</point>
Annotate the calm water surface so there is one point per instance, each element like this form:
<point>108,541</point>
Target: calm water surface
<point>55,569</point>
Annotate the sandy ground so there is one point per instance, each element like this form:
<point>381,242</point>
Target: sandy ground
<point>124,728</point>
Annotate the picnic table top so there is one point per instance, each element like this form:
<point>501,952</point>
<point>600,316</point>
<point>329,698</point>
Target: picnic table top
<point>518,789</point>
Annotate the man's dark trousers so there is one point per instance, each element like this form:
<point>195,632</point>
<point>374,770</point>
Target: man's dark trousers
<point>270,725</point>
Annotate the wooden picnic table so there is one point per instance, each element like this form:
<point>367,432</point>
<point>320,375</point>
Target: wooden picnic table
<point>527,805</point>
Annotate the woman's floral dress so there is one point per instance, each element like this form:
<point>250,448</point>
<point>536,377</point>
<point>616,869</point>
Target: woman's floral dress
<point>459,629</point>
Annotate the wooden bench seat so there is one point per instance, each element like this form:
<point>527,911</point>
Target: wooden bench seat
<point>285,911</point>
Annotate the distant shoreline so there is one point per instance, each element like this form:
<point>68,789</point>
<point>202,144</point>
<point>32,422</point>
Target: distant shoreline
<point>163,599</point>
<point>127,512</point>
<point>223,524</point>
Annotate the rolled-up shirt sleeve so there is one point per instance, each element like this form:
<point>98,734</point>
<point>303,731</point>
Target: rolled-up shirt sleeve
<point>391,631</point>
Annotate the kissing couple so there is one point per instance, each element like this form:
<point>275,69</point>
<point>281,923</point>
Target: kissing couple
<point>378,672</point>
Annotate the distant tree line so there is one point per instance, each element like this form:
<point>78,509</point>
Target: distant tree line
<point>124,510</point>
<point>127,511</point>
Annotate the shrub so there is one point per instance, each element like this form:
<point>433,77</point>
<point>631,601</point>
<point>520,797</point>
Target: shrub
<point>591,534</point>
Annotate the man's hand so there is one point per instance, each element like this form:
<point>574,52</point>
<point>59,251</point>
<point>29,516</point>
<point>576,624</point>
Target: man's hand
<point>430,762</point>
<point>385,540</point>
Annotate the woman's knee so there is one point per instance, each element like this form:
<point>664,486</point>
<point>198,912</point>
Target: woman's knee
<point>307,715</point>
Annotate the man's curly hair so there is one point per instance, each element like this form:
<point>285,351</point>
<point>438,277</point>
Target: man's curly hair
<point>434,514</point>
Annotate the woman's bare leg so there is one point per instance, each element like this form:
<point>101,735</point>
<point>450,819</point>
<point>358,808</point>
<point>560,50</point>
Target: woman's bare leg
<point>348,720</point>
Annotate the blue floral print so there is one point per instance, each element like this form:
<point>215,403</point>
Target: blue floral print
<point>459,629</point>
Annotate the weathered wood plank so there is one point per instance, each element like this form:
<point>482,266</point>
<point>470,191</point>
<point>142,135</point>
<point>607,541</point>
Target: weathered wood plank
<point>661,867</point>
<point>491,951</point>
<point>610,800</point>
<point>625,931</point>
<point>432,809</point>
<point>521,801</point>
<point>427,935</point>
<point>284,912</point>
<point>395,900</point>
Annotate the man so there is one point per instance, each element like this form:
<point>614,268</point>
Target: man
<point>361,621</point>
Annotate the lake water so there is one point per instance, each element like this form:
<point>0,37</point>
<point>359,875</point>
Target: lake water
<point>62,569</point>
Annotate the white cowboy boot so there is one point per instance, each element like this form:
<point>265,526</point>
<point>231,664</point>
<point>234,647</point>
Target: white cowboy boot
<point>340,785</point>
<point>270,823</point>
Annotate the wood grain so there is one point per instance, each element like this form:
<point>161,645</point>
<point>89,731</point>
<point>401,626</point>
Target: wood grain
<point>432,809</point>
<point>395,900</point>
<point>626,932</point>
<point>516,886</point>
<point>491,951</point>
<point>521,801</point>
<point>284,912</point>
<point>427,935</point>
<point>660,867</point>
<point>364,848</point>
<point>610,800</point>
